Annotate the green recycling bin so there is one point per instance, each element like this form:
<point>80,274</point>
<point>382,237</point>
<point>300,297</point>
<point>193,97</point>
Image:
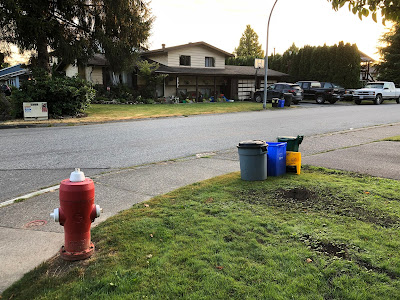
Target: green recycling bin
<point>253,160</point>
<point>292,142</point>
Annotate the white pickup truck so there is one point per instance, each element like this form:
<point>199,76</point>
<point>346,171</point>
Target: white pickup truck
<point>377,92</point>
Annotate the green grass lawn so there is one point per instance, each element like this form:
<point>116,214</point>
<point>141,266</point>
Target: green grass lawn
<point>105,112</point>
<point>323,234</point>
<point>108,112</point>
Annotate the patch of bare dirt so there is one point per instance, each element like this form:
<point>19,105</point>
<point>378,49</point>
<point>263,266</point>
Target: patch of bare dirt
<point>326,247</point>
<point>314,200</point>
<point>344,251</point>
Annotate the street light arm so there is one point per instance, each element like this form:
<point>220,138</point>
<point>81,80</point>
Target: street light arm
<point>266,61</point>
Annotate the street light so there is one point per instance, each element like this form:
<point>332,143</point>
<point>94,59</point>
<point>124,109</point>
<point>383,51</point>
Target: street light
<point>266,61</point>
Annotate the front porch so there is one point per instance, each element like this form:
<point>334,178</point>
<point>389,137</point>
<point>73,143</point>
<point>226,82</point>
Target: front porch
<point>234,82</point>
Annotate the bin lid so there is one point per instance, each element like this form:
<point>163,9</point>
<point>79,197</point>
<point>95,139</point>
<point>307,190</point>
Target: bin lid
<point>252,144</point>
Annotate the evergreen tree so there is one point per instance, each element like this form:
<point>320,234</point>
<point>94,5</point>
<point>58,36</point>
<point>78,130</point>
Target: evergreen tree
<point>339,68</point>
<point>338,64</point>
<point>275,62</point>
<point>76,29</point>
<point>249,45</point>
<point>324,63</point>
<point>389,68</point>
<point>305,63</point>
<point>240,61</point>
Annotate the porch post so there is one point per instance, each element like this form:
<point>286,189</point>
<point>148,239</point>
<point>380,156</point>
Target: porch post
<point>197,88</point>
<point>215,88</point>
<point>177,86</point>
<point>164,87</point>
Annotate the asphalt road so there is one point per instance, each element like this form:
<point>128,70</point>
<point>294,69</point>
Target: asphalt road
<point>34,158</point>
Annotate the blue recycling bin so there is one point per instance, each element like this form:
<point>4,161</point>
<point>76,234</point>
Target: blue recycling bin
<point>276,159</point>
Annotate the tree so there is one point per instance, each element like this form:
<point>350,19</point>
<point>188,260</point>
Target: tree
<point>389,68</point>
<point>339,63</point>
<point>249,45</point>
<point>2,56</point>
<point>390,9</point>
<point>76,29</point>
<point>147,72</point>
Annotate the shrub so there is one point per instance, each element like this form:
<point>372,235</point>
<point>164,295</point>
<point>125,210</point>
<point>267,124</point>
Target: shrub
<point>65,96</point>
<point>120,93</point>
<point>5,107</point>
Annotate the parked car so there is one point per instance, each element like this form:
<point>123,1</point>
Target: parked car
<point>313,90</point>
<point>277,90</point>
<point>378,92</point>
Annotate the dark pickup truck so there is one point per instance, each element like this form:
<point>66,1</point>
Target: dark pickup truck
<point>314,90</point>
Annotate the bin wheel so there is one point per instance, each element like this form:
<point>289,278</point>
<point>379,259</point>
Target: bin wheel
<point>357,101</point>
<point>320,99</point>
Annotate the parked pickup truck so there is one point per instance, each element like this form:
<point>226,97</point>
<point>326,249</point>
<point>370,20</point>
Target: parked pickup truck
<point>377,92</point>
<point>313,90</point>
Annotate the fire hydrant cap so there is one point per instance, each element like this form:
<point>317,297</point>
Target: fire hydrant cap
<point>77,176</point>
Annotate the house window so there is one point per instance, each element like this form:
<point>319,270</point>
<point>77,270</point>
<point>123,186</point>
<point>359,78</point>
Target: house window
<point>184,60</point>
<point>210,62</point>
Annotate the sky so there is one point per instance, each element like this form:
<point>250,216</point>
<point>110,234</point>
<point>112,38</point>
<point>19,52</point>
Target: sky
<point>221,23</point>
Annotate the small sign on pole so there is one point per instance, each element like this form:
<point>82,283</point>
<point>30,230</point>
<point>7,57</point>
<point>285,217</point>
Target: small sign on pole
<point>259,63</point>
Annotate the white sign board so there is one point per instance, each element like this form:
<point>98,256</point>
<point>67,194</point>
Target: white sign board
<point>258,63</point>
<point>35,111</point>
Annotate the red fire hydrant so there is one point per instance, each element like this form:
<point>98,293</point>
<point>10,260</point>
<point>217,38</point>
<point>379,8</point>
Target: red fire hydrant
<point>76,213</point>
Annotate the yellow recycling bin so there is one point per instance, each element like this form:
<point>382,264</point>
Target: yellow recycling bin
<point>293,159</point>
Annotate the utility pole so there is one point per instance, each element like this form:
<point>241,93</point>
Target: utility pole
<point>266,61</point>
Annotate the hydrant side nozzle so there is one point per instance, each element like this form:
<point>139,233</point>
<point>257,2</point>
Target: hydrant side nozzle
<point>99,210</point>
<point>96,211</point>
<point>55,215</point>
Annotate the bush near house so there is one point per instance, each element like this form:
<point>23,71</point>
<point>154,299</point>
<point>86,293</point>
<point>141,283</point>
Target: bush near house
<point>120,93</point>
<point>5,107</point>
<point>65,96</point>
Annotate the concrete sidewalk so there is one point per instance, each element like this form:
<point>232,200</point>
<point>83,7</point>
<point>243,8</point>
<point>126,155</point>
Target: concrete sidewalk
<point>28,236</point>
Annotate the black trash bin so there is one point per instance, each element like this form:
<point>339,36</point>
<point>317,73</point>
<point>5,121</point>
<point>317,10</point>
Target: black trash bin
<point>288,98</point>
<point>293,142</point>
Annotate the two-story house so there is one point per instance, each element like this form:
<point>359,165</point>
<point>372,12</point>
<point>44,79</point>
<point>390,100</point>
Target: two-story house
<point>199,69</point>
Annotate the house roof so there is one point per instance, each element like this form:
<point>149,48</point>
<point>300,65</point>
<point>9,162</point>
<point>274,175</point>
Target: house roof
<point>365,58</point>
<point>228,71</point>
<point>204,44</point>
<point>98,59</point>
<point>13,71</point>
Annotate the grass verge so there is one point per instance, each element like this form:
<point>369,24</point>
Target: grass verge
<point>105,113</point>
<point>324,234</point>
<point>393,139</point>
